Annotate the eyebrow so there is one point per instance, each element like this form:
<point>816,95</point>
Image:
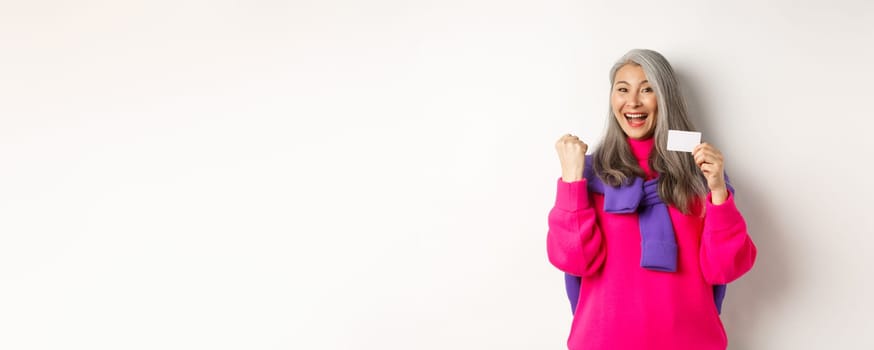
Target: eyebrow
<point>625,82</point>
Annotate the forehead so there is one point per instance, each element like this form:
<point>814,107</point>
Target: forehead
<point>630,74</point>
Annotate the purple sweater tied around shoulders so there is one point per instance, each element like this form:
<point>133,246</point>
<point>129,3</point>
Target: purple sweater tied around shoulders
<point>657,240</point>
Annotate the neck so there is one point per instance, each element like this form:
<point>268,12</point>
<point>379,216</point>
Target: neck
<point>642,148</point>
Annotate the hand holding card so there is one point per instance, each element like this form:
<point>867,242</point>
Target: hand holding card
<point>712,164</point>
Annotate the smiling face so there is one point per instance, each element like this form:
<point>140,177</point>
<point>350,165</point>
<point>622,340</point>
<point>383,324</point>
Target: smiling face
<point>634,102</point>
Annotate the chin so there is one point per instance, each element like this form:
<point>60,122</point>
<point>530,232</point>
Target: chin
<point>639,135</point>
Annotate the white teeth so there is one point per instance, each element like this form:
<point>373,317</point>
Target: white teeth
<point>635,115</point>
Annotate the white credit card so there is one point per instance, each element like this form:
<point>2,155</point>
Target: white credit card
<point>683,141</point>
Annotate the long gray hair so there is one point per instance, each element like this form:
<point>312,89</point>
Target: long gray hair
<point>680,180</point>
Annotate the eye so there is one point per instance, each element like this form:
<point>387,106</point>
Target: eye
<point>647,89</point>
<point>622,89</point>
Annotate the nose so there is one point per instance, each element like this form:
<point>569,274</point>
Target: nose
<point>633,101</point>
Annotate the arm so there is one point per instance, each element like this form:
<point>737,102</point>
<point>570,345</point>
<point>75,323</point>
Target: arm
<point>727,251</point>
<point>574,242</point>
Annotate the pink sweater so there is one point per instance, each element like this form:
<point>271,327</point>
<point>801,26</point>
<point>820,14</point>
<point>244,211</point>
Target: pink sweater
<point>624,306</point>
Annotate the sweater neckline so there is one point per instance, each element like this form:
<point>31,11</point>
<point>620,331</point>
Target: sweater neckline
<point>641,148</point>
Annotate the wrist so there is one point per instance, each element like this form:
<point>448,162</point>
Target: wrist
<point>571,178</point>
<point>571,175</point>
<point>719,195</point>
<point>718,187</point>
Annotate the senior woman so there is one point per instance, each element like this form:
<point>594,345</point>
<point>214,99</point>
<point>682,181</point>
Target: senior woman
<point>647,238</point>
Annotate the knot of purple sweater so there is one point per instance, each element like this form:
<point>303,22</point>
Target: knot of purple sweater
<point>657,240</point>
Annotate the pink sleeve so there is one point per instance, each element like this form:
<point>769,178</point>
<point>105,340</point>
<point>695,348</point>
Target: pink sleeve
<point>727,251</point>
<point>574,242</point>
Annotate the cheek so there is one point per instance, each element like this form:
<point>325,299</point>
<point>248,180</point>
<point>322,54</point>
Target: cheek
<point>616,103</point>
<point>614,99</point>
<point>652,104</point>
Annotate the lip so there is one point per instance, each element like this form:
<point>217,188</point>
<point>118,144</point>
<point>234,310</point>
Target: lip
<point>635,123</point>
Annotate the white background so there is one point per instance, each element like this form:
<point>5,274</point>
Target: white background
<point>377,174</point>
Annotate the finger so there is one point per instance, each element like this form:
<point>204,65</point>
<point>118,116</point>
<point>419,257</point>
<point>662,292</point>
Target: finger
<point>702,147</point>
<point>700,158</point>
<point>564,139</point>
<point>706,156</point>
<point>715,159</point>
<point>712,151</point>
<point>709,146</point>
<point>711,170</point>
<point>571,143</point>
<point>704,161</point>
<point>711,173</point>
<point>710,154</point>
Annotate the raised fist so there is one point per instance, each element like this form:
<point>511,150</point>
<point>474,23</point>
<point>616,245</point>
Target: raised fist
<point>572,155</point>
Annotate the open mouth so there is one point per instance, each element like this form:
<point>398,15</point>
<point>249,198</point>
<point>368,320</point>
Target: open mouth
<point>636,119</point>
